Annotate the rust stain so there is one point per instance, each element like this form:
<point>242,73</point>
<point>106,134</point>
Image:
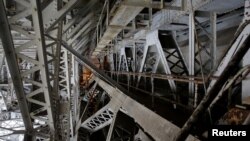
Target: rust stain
<point>235,116</point>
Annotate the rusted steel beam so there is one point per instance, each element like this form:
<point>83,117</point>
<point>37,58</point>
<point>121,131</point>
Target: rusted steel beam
<point>196,80</point>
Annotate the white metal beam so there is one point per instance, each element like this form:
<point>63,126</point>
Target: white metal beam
<point>8,46</point>
<point>191,51</point>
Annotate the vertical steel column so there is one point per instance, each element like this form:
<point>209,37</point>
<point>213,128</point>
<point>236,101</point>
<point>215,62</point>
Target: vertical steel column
<point>128,78</point>
<point>8,46</point>
<point>155,40</point>
<point>126,66</point>
<point>213,46</point>
<point>191,51</point>
<point>145,52</point>
<point>153,92</point>
<point>63,86</point>
<point>112,125</point>
<point>117,65</point>
<point>75,96</point>
<point>246,83</point>
<point>40,43</point>
<point>152,80</point>
<point>2,61</point>
<point>120,61</point>
<point>54,74</point>
<point>246,61</point>
<point>134,63</point>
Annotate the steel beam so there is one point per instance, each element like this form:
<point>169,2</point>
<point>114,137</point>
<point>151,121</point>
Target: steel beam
<point>132,107</point>
<point>20,15</point>
<point>81,46</point>
<point>123,60</point>
<point>40,43</point>
<point>150,4</point>
<point>19,29</point>
<point>8,46</point>
<point>89,65</point>
<point>80,25</point>
<point>87,27</point>
<point>139,112</point>
<point>246,83</point>
<point>100,119</point>
<point>75,95</point>
<point>51,18</point>
<point>64,86</point>
<point>176,15</point>
<point>191,52</point>
<point>81,14</point>
<point>237,51</point>
<point>57,72</point>
<point>145,51</point>
<point>122,17</point>
<point>213,46</point>
<point>2,58</point>
<point>153,39</point>
<point>111,127</point>
<point>238,42</point>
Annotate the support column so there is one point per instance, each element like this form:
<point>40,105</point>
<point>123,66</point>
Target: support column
<point>75,107</point>
<point>191,52</point>
<point>8,46</point>
<point>134,63</point>
<point>2,61</point>
<point>246,61</point>
<point>111,127</point>
<point>246,82</point>
<point>153,93</point>
<point>41,51</point>
<point>213,46</point>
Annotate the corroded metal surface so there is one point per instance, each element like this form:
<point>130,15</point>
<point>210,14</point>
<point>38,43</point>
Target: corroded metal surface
<point>234,116</point>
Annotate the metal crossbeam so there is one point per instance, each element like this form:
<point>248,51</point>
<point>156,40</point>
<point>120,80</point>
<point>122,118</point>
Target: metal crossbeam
<point>40,43</point>
<point>154,4</point>
<point>175,58</point>
<point>118,22</point>
<point>52,16</point>
<point>131,108</point>
<point>59,79</point>
<point>123,64</point>
<point>100,119</point>
<point>80,25</point>
<point>39,65</point>
<point>153,39</point>
<point>117,93</point>
<point>9,50</point>
<point>84,30</point>
<point>79,16</point>
<point>176,15</point>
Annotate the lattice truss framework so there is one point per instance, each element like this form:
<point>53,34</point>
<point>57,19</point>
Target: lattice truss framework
<point>45,70</point>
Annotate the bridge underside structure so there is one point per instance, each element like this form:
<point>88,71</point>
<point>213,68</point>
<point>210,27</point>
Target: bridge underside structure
<point>116,70</point>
